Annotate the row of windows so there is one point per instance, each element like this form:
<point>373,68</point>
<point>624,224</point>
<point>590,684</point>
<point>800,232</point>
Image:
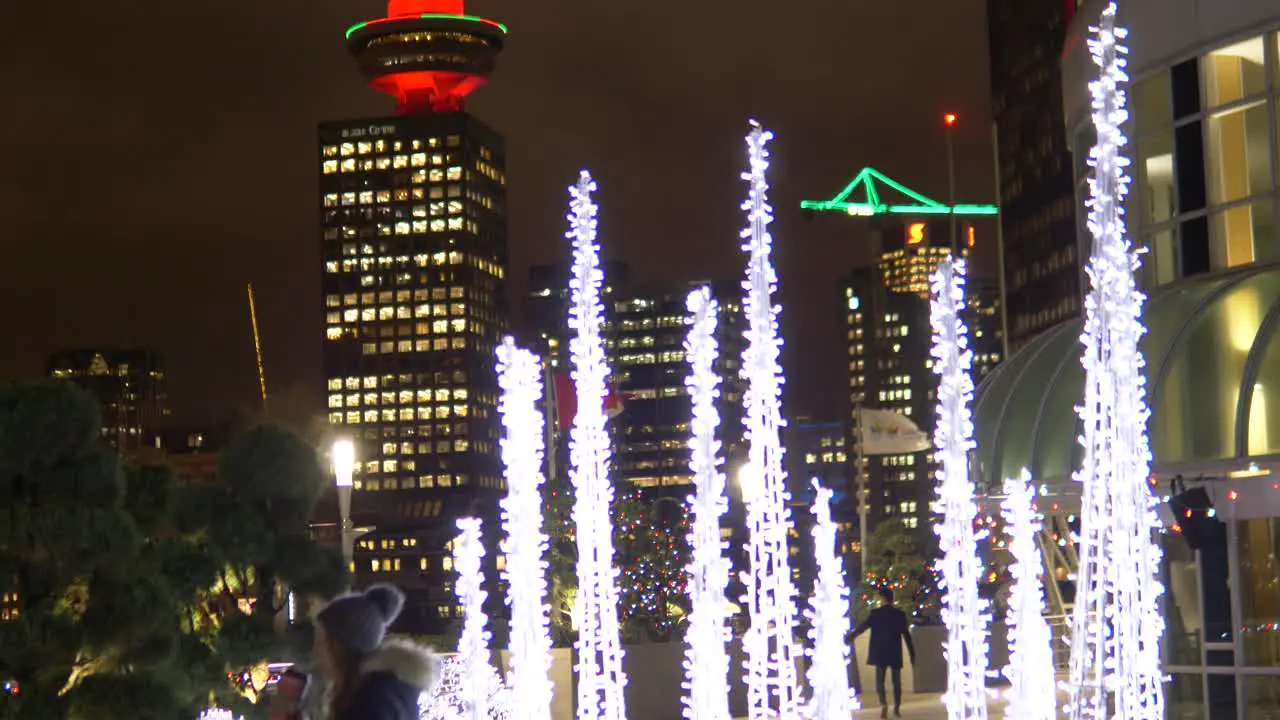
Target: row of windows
<point>392,347</point>
<point>365,147</point>
<point>671,356</point>
<point>403,397</point>
<point>422,482</point>
<point>403,414</point>
<point>401,296</point>
<point>403,380</point>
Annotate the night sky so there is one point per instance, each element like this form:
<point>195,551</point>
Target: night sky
<point>157,156</point>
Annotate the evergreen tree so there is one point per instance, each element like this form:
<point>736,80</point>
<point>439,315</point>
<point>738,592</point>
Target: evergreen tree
<point>652,541</point>
<point>893,561</point>
<point>137,595</point>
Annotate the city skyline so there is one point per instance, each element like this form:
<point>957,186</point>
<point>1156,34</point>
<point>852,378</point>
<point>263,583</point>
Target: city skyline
<point>212,172</point>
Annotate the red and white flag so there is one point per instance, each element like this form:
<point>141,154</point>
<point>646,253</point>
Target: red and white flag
<point>565,397</point>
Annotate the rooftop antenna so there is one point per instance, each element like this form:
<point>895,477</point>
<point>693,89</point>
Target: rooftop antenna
<point>257,349</point>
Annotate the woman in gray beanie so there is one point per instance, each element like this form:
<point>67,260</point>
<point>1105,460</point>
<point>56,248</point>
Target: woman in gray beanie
<point>371,676</point>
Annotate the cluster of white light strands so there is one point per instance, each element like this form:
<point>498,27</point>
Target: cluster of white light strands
<point>1032,693</point>
<point>218,714</point>
<point>706,663</point>
<point>1116,629</point>
<point>964,612</point>
<point>520,379</point>
<point>771,676</point>
<point>473,645</point>
<point>600,678</point>
<point>828,614</point>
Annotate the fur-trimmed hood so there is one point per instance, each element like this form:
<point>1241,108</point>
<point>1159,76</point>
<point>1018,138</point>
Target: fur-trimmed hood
<point>409,662</point>
<point>392,679</point>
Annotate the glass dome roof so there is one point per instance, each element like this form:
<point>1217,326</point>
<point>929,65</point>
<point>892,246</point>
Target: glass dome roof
<point>1207,338</point>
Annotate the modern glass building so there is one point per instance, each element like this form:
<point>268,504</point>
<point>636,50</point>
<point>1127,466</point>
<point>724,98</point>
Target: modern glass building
<point>1206,149</point>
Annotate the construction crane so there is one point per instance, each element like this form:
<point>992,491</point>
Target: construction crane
<point>257,349</point>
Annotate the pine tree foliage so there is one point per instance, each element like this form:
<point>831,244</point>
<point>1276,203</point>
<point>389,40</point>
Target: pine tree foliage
<point>136,594</point>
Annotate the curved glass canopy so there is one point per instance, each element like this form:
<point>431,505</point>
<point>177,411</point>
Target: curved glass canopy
<point>1213,381</point>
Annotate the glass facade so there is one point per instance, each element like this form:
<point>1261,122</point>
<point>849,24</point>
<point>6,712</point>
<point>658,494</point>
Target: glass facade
<point>1206,148</point>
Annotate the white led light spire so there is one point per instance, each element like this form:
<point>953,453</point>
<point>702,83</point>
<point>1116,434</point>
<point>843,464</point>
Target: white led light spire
<point>473,645</point>
<point>1031,694</point>
<point>1116,629</point>
<point>964,612</point>
<point>772,685</point>
<point>829,619</point>
<point>706,663</point>
<point>520,378</point>
<point>600,678</point>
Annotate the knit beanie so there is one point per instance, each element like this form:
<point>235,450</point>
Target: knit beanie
<point>359,621</point>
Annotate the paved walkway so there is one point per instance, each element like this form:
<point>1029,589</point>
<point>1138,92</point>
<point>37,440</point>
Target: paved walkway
<point>916,707</point>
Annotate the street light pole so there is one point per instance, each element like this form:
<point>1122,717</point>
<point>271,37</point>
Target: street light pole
<point>861,468</point>
<point>949,120</point>
<point>344,465</point>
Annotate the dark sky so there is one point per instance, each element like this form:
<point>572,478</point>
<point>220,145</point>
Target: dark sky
<point>159,155</point>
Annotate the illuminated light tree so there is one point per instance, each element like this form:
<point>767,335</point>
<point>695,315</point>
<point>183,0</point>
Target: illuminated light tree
<point>1031,695</point>
<point>1116,628</point>
<point>770,593</point>
<point>473,645</point>
<point>520,378</point>
<point>446,700</point>
<point>600,677</point>
<point>964,612</point>
<point>706,663</point>
<point>829,621</point>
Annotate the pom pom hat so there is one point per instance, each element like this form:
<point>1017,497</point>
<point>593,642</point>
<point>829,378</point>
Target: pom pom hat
<point>359,621</point>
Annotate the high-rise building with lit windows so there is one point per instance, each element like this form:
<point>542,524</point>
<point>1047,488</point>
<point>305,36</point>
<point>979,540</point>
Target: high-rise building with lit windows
<point>1043,250</point>
<point>889,340</point>
<point>414,249</point>
<point>129,385</point>
<point>645,341</point>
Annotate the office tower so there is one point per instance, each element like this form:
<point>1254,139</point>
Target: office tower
<point>128,384</point>
<point>414,250</point>
<point>1043,249</point>
<point>890,342</point>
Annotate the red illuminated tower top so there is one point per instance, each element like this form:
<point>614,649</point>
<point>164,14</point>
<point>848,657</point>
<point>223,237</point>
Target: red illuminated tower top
<point>427,54</point>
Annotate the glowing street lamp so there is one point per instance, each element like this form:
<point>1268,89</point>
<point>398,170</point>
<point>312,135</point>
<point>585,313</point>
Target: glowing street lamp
<point>343,457</point>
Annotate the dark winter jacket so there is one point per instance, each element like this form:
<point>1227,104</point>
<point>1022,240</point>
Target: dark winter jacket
<point>391,681</point>
<point>889,629</point>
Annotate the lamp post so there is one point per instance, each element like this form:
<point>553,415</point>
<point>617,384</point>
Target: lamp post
<point>949,120</point>
<point>344,465</point>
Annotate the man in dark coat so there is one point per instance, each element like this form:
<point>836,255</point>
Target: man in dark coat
<point>889,629</point>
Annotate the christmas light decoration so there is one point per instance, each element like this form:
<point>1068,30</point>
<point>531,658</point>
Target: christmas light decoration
<point>1116,628</point>
<point>706,663</point>
<point>218,714</point>
<point>445,700</point>
<point>829,621</point>
<point>473,645</point>
<point>1031,694</point>
<point>520,378</point>
<point>770,593</point>
<point>600,678</point>
<point>964,612</point>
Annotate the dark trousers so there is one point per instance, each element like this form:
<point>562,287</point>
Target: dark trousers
<point>897,685</point>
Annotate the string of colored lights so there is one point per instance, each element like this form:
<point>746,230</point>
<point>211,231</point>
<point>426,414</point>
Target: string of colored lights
<point>828,615</point>
<point>770,596</point>
<point>964,611</point>
<point>600,677</point>
<point>1031,694</point>
<point>706,663</point>
<point>473,644</point>
<point>1115,667</point>
<point>520,379</point>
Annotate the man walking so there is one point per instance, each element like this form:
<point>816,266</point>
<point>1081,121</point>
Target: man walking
<point>889,629</point>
